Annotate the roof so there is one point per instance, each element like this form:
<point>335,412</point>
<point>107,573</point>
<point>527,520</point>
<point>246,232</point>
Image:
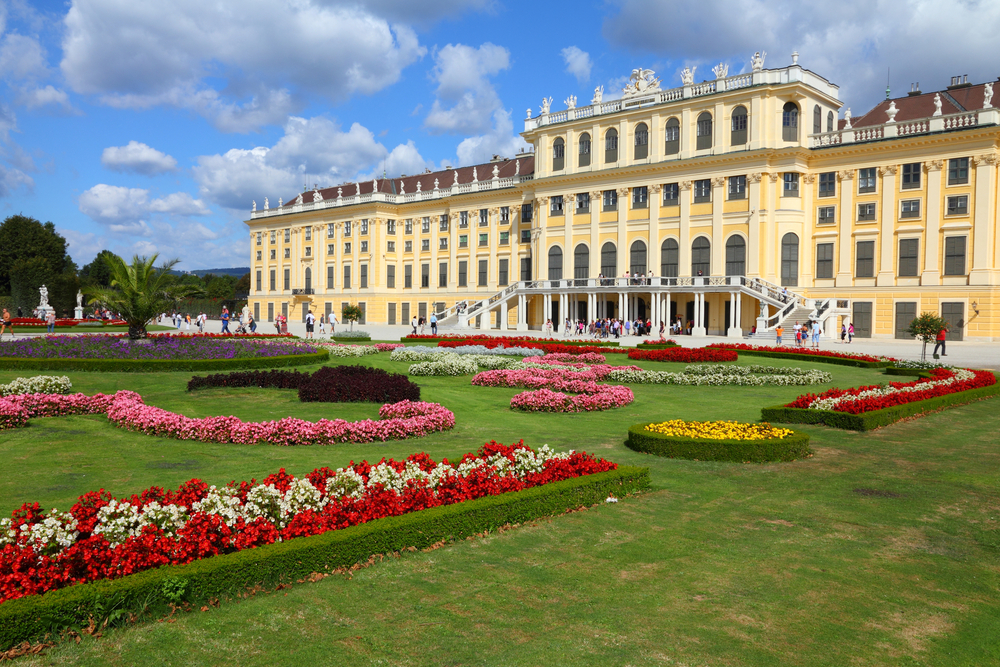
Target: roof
<point>956,100</point>
<point>522,165</point>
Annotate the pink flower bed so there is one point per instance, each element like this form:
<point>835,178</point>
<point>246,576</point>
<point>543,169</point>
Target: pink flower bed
<point>126,409</point>
<point>585,358</point>
<point>548,384</point>
<point>387,347</point>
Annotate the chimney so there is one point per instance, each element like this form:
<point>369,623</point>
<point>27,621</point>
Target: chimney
<point>914,89</point>
<point>961,81</point>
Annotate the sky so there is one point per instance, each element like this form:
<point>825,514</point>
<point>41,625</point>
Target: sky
<point>150,127</point>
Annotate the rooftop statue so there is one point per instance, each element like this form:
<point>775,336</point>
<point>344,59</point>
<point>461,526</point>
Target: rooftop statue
<point>265,203</point>
<point>988,96</point>
<point>254,205</point>
<point>721,71</point>
<point>570,102</point>
<point>757,61</point>
<point>687,75</point>
<point>546,103</point>
<point>937,104</point>
<point>317,196</point>
<point>641,82</point>
<point>598,95</point>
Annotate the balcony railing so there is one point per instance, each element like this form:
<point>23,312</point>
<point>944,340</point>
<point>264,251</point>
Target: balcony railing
<point>303,290</point>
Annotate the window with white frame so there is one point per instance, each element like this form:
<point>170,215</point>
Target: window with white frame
<point>364,227</point>
<point>443,243</point>
<point>408,226</point>
<point>443,224</point>
<point>504,215</point>
<point>425,244</point>
<point>866,212</point>
<point>791,184</point>
<point>425,225</point>
<point>737,187</point>
<point>671,194</point>
<point>347,228</point>
<point>610,200</point>
<point>556,205</point>
<point>463,219</point>
<point>260,238</point>
<point>390,246</point>
<point>288,236</point>
<point>909,208</point>
<point>826,215</point>
<point>484,217</point>
<point>702,191</point>
<point>390,227</point>
<point>407,246</point>
<point>958,205</point>
<point>347,248</point>
<point>583,202</point>
<point>309,234</point>
<point>866,179</point>
<point>364,246</point>
<point>640,197</point>
<point>828,184</point>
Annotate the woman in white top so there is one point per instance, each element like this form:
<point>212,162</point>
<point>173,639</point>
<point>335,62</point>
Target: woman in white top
<point>322,325</point>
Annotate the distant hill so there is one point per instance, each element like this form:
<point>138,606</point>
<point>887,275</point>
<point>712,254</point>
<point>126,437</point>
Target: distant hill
<point>236,271</point>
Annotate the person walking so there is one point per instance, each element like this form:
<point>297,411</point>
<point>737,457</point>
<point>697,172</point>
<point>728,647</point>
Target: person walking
<point>310,324</point>
<point>252,323</point>
<point>50,321</point>
<point>6,323</point>
<point>413,323</point>
<point>225,320</point>
<point>843,333</point>
<point>850,333</point>
<point>322,325</point>
<point>777,334</point>
<point>816,332</point>
<point>434,324</point>
<point>941,338</point>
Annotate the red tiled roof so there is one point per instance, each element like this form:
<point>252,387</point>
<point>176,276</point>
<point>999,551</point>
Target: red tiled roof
<point>922,106</point>
<point>408,185</point>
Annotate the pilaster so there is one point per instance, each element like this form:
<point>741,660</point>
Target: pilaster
<point>886,276</point>
<point>653,262</point>
<point>931,274</point>
<point>754,245</point>
<point>684,237</point>
<point>596,202</point>
<point>718,242</point>
<point>844,243</point>
<point>984,230</point>
<point>623,203</point>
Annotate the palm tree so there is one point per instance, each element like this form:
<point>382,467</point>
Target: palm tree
<point>138,291</point>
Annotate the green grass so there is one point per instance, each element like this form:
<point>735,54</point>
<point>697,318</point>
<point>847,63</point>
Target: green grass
<point>882,549</point>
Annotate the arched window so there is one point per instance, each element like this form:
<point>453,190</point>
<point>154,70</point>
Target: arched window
<point>738,135</point>
<point>669,252</point>
<point>641,141</point>
<point>609,260</point>
<point>704,131</point>
<point>817,120</point>
<point>789,260</point>
<point>555,263</point>
<point>558,154</point>
<point>701,257</point>
<point>672,133</point>
<point>581,262</point>
<point>611,145</point>
<point>637,258</point>
<point>736,256</point>
<point>829,121</point>
<point>309,278</point>
<point>585,149</point>
<point>790,122</point>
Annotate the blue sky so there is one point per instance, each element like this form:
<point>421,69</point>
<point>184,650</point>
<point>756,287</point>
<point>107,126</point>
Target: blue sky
<point>150,126</point>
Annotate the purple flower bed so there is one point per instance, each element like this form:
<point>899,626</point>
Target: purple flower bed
<point>330,384</point>
<point>177,347</point>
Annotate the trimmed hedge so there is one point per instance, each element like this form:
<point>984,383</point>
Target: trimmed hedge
<point>160,365</point>
<point>351,336</point>
<point>868,421</point>
<point>699,449</point>
<point>230,575</point>
<point>912,372</point>
<point>655,346</point>
<point>818,358</point>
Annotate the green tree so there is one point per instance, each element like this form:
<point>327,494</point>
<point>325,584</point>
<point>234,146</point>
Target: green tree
<point>28,274</point>
<point>97,272</point>
<point>220,287</point>
<point>139,291</point>
<point>242,285</point>
<point>22,238</point>
<point>351,313</point>
<point>925,327</point>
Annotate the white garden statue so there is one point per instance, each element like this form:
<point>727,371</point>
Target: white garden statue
<point>43,292</point>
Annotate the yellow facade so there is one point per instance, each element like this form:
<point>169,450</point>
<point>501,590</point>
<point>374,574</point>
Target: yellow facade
<point>889,218</point>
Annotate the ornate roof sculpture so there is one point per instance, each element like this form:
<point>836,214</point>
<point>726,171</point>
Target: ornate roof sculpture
<point>642,82</point>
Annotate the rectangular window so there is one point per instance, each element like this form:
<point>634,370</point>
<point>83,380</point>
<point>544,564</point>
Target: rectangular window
<point>702,191</point>
<point>909,257</point>
<point>866,211</point>
<point>958,171</point>
<point>288,253</point>
<point>364,227</point>
<point>425,245</point>
<point>484,217</point>
<point>463,219</point>
<point>525,236</point>
<point>583,202</point>
<point>463,270</point>
<point>504,238</point>
<point>364,276</point>
<point>525,268</point>
<point>425,275</point>
<point>309,233</point>
<point>390,246</point>
<point>864,260</point>
<point>828,184</point>
<point>791,184</point>
<point>271,280</point>
<point>526,212</point>
<point>274,253</point>
<point>737,188</point>
<point>671,194</point>
<point>484,270</point>
<point>502,272</point>
<point>330,230</point>
<point>260,255</point>
<point>407,246</point>
<point>407,276</point>
<point>639,197</point>
<point>330,249</point>
<point>443,243</point>
<point>390,276</point>
<point>866,180</point>
<point>404,313</point>
<point>408,227</point>
<point>906,312</point>
<point>288,235</point>
<point>556,205</point>
<point>347,248</point>
<point>390,227</point>
<point>425,225</point>
<point>911,175</point>
<point>347,276</point>
<point>443,274</point>
<point>861,318</point>
<point>347,228</point>
<point>443,224</point>
<point>260,238</point>
<point>329,277</point>
<point>463,240</point>
<point>954,256</point>
<point>392,313</point>
<point>909,208</point>
<point>364,247</point>
<point>287,279</point>
<point>260,281</point>
<point>610,200</point>
<point>827,215</point>
<point>824,261</point>
<point>484,240</point>
<point>273,239</point>
<point>270,312</point>
<point>504,215</point>
<point>958,205</point>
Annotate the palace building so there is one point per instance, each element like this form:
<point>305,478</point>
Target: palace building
<point>741,201</point>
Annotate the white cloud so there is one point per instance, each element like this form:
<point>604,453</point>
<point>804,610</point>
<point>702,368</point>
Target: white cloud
<point>852,43</point>
<point>12,175</point>
<point>121,206</point>
<point>137,158</point>
<point>317,146</point>
<point>14,180</point>
<point>21,58</point>
<point>41,97</point>
<point>292,47</point>
<point>500,140</point>
<point>577,63</point>
<point>239,176</point>
<point>462,73</point>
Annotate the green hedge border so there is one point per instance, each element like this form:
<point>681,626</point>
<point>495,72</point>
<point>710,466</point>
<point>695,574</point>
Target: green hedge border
<point>160,365</point>
<point>793,447</point>
<point>869,421</point>
<point>655,346</point>
<point>226,576</point>
<point>839,361</point>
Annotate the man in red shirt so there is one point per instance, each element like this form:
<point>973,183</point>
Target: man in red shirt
<point>940,341</point>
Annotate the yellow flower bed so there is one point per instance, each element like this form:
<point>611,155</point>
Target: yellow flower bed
<point>719,430</point>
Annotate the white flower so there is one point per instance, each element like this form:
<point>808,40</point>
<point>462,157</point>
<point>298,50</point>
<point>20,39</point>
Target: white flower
<point>40,384</point>
<point>223,502</point>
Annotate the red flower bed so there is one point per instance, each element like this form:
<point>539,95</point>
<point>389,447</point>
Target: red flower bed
<point>531,343</point>
<point>684,355</point>
<point>800,350</point>
<point>876,397</point>
<point>60,322</point>
<point>103,537</point>
<point>219,335</point>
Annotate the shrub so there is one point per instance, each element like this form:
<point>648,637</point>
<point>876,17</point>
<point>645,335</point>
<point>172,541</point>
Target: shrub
<point>263,379</point>
<point>700,449</point>
<point>355,384</point>
<point>351,335</point>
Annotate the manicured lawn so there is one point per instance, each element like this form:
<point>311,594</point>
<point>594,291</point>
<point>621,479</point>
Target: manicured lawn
<point>881,549</point>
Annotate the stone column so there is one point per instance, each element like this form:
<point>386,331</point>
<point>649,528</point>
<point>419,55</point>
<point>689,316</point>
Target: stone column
<point>984,230</point>
<point>684,237</point>
<point>569,210</point>
<point>886,276</point>
<point>522,315</point>
<point>931,275</point>
<point>699,315</point>
<point>753,245</point>
<point>768,237</point>
<point>623,203</point>
<point>846,178</point>
<point>735,330</point>
<point>718,242</point>
<point>503,316</point>
<point>542,249</point>
<point>653,260</point>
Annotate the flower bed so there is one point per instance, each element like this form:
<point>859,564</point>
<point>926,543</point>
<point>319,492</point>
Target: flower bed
<point>549,348</point>
<point>336,350</point>
<point>205,334</point>
<point>351,335</point>
<point>102,537</point>
<point>823,356</point>
<point>712,375</point>
<point>422,353</point>
<point>585,358</point>
<point>330,384</point>
<point>718,441</point>
<point>40,384</point>
<point>65,322</point>
<point>868,407</point>
<point>126,409</point>
<point>683,355</point>
<point>479,338</point>
<point>446,366</point>
<point>550,383</point>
